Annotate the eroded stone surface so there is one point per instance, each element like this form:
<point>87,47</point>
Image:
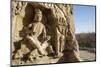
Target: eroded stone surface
<point>57,44</point>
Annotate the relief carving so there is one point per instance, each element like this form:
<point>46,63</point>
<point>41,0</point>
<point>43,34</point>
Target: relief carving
<point>42,31</point>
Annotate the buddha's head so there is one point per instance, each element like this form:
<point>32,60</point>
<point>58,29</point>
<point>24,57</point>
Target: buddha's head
<point>38,15</point>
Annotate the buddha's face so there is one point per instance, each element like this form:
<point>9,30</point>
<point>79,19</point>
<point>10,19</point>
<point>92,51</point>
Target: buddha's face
<point>38,17</point>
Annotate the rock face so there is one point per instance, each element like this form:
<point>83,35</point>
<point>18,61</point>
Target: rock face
<point>56,45</point>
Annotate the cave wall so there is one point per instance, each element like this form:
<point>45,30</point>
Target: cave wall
<point>53,14</point>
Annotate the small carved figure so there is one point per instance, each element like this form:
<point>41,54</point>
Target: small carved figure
<point>60,28</point>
